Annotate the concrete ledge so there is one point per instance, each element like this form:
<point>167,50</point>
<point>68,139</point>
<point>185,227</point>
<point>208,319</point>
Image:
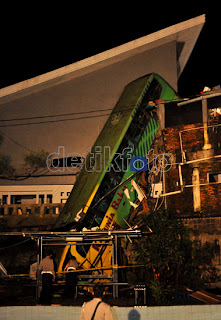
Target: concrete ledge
<point>195,312</point>
<point>28,222</point>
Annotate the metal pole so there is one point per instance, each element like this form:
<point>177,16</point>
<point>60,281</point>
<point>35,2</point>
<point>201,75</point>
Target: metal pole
<point>37,273</point>
<point>164,185</point>
<point>116,263</point>
<point>113,271</point>
<point>136,296</point>
<point>41,249</point>
<point>144,296</point>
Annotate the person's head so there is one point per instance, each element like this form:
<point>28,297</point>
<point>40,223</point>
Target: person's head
<point>49,253</point>
<point>98,291</point>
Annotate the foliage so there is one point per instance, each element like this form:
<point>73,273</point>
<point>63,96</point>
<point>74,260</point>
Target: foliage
<point>172,259</point>
<point>159,291</point>
<point>5,165</point>
<point>1,138</point>
<point>34,161</point>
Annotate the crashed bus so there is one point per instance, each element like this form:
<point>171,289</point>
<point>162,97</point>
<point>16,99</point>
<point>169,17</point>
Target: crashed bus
<point>106,190</point>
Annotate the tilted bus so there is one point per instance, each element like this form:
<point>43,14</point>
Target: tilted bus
<point>98,197</point>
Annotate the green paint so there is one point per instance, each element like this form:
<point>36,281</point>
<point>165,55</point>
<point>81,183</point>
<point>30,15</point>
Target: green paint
<point>123,116</point>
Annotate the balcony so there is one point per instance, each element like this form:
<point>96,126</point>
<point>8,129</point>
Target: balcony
<point>31,209</point>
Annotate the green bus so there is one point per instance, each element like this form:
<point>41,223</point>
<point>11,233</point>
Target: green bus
<point>96,199</point>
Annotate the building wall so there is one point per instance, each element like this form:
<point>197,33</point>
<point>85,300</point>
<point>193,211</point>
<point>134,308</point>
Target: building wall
<point>59,193</point>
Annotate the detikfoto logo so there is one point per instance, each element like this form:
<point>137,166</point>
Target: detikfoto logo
<point>97,161</point>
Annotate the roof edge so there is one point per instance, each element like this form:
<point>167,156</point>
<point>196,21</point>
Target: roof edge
<point>101,57</point>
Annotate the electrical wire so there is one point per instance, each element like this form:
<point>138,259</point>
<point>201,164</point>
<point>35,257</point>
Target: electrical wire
<point>62,120</point>
<point>29,175</point>
<point>115,188</point>
<point>70,119</point>
<point>72,113</point>
<point>14,245</point>
<point>84,112</point>
<point>56,115</point>
<point>53,121</point>
<point>163,199</point>
<point>19,144</point>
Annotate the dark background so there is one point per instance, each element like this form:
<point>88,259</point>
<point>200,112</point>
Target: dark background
<point>36,39</point>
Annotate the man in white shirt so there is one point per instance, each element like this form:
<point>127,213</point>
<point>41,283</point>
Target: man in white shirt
<point>103,311</point>
<point>46,267</point>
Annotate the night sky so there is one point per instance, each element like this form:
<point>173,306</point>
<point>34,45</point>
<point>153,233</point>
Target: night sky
<point>36,40</point>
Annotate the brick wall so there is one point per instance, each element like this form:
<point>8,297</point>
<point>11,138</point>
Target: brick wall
<point>193,142</point>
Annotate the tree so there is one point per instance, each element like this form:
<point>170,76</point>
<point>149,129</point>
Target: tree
<point>172,260</point>
<point>33,161</point>
<point>5,163</point>
<point>5,166</point>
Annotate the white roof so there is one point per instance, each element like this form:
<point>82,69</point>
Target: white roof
<point>185,33</point>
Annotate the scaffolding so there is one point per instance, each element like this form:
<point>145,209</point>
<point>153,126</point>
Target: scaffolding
<point>74,238</point>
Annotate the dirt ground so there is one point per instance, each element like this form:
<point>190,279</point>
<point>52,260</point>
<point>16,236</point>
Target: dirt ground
<point>17,292</point>
<point>22,292</point>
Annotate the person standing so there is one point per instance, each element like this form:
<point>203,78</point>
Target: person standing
<point>71,277</point>
<point>46,267</point>
<point>96,309</point>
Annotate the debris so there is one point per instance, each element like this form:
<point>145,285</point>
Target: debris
<point>2,269</point>
<point>206,89</point>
